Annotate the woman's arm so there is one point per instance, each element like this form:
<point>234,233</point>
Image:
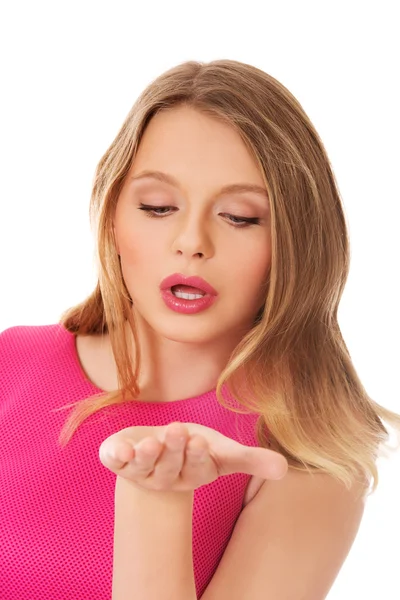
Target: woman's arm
<point>152,544</point>
<point>158,469</point>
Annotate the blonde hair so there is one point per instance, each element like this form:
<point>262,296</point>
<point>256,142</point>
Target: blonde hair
<point>293,367</point>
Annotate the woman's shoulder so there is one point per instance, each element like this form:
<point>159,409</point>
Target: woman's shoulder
<point>26,337</point>
<point>22,345</point>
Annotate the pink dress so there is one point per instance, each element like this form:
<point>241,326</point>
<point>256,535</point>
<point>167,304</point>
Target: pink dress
<point>57,504</point>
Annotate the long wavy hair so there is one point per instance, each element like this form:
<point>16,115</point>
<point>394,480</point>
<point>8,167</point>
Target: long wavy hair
<point>292,367</point>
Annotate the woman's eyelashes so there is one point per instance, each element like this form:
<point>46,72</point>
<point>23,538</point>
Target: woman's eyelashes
<point>162,211</point>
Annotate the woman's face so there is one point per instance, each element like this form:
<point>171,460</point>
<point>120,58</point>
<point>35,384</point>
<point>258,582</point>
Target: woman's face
<point>198,232</point>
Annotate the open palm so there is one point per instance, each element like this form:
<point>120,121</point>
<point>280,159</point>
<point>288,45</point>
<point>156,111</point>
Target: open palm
<point>184,456</point>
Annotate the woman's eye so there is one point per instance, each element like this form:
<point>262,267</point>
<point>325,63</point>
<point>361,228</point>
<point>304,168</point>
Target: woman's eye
<point>152,211</point>
<point>244,221</point>
<point>161,211</point>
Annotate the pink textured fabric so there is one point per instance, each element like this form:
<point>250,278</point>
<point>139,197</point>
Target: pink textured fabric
<point>57,504</point>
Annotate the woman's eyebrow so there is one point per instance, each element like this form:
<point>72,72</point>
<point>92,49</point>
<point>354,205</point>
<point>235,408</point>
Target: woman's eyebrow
<point>235,188</point>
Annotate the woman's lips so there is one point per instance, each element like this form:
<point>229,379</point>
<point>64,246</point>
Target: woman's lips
<point>187,289</point>
<point>193,282</point>
<point>187,306</point>
<point>187,285</point>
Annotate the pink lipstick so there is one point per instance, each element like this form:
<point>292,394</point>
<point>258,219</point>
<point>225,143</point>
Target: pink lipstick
<point>187,295</point>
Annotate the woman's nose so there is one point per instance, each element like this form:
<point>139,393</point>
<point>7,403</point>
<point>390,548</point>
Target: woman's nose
<point>193,238</point>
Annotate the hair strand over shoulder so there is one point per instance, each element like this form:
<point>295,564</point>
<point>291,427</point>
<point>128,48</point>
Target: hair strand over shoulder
<point>293,367</point>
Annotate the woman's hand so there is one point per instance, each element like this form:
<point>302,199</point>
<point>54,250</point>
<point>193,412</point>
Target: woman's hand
<point>181,457</point>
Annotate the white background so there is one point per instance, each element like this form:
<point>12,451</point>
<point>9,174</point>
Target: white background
<point>69,74</point>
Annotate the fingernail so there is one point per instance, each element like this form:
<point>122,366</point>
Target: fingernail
<point>110,454</point>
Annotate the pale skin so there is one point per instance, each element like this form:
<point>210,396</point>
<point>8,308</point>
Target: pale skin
<point>158,469</point>
<point>289,516</point>
<point>206,233</point>
<point>181,457</point>
<point>183,355</point>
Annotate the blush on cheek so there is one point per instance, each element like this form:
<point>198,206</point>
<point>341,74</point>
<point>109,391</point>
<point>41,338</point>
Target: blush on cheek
<point>131,246</point>
<point>142,255</point>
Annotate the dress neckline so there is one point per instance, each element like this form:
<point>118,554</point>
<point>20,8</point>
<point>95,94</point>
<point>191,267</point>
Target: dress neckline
<point>209,395</point>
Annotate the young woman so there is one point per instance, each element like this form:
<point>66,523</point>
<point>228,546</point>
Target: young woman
<point>207,371</point>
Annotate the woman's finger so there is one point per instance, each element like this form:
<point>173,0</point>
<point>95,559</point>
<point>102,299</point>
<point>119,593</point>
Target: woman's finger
<point>147,452</point>
<point>257,461</point>
<point>115,454</point>
<point>198,465</point>
<point>169,464</point>
<point>197,447</point>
